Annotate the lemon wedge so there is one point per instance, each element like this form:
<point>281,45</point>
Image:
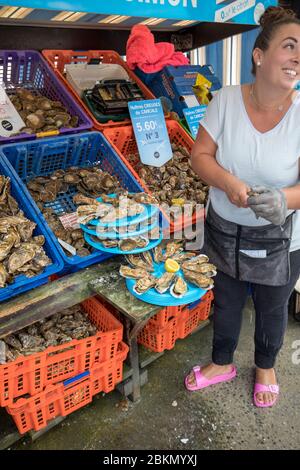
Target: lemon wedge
<point>171,266</point>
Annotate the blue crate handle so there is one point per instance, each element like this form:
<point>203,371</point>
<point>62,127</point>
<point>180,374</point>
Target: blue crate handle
<point>76,378</point>
<point>44,150</point>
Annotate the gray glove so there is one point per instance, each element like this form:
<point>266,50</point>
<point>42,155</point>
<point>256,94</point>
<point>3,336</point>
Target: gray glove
<point>268,203</point>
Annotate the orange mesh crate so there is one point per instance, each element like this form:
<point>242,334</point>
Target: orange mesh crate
<point>162,318</point>
<point>123,141</point>
<point>64,398</point>
<point>58,59</point>
<point>192,316</point>
<point>158,339</point>
<point>164,328</point>
<point>31,374</point>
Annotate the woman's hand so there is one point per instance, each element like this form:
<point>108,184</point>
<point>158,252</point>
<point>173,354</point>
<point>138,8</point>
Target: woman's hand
<point>237,191</point>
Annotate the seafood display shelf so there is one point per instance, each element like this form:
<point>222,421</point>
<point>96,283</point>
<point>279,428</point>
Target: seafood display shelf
<point>166,299</point>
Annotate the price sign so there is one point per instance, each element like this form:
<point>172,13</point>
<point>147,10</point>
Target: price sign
<point>193,117</point>
<point>150,131</point>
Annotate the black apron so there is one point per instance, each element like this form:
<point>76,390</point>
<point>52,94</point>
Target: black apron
<point>254,254</point>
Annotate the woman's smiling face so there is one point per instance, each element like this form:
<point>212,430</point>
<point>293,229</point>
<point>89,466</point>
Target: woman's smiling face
<point>280,63</point>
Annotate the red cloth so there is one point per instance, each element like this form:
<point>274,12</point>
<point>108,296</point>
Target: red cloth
<point>142,52</point>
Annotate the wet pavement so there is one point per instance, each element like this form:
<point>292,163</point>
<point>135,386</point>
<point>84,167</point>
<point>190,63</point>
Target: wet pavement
<point>169,417</point>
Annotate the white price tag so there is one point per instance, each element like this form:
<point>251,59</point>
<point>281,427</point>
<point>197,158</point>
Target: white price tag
<point>70,221</point>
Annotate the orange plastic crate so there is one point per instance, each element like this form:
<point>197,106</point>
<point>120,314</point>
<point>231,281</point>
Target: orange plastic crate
<point>164,328</point>
<point>123,141</point>
<point>31,374</point>
<point>58,59</point>
<point>64,398</point>
<point>190,318</point>
<point>162,318</point>
<point>158,339</point>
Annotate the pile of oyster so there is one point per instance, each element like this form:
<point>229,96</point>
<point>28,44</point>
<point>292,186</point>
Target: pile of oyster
<point>39,113</point>
<point>196,270</point>
<point>20,251</point>
<point>85,183</point>
<point>71,323</point>
<point>174,180</point>
<point>109,211</point>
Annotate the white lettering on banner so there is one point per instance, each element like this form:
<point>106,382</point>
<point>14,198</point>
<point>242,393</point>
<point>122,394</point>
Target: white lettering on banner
<point>234,9</point>
<point>173,3</point>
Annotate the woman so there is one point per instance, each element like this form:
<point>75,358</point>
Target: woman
<point>248,150</point>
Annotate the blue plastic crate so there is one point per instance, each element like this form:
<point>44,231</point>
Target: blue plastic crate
<point>29,69</point>
<point>41,158</point>
<point>177,82</point>
<point>22,283</point>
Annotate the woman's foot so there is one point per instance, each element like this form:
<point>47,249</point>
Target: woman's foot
<point>209,371</point>
<point>265,377</point>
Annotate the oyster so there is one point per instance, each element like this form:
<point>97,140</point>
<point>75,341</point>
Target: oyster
<point>21,256</point>
<point>181,257</point>
<point>3,275</point>
<point>128,244</point>
<point>164,282</point>
<point>198,279</point>
<point>134,208</point>
<point>158,254</point>
<point>110,243</point>
<point>132,273</point>
<point>144,284</point>
<point>144,198</point>
<point>194,263</point>
<point>179,288</point>
<point>139,261</point>
<point>172,248</point>
<point>148,259</point>
<point>81,199</point>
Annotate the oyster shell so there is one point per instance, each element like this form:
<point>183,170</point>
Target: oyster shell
<point>139,261</point>
<point>195,263</point>
<point>132,273</point>
<point>158,254</point>
<point>128,244</point>
<point>110,243</point>
<point>198,279</point>
<point>144,198</point>
<point>3,275</point>
<point>179,287</point>
<point>164,282</point>
<point>181,257</point>
<point>172,248</point>
<point>144,284</point>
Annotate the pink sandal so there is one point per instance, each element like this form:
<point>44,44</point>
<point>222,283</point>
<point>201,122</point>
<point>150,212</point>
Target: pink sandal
<point>202,381</point>
<point>260,388</point>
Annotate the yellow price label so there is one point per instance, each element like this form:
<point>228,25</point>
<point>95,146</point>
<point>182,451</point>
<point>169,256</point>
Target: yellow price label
<point>46,133</point>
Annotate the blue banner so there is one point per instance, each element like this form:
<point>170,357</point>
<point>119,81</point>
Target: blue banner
<point>233,11</point>
<point>150,131</point>
<point>193,117</point>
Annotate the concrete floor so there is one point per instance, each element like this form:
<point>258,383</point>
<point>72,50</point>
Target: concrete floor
<point>169,417</point>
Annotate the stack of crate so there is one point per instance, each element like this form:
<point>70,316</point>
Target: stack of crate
<point>171,323</point>
<point>55,382</point>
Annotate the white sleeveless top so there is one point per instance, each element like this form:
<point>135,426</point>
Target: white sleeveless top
<point>269,159</point>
